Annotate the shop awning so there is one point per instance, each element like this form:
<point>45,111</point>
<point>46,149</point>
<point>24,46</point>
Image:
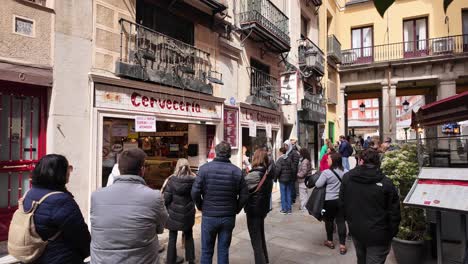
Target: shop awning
<point>450,109</point>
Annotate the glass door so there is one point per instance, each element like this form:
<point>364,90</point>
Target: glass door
<point>362,44</point>
<point>415,37</point>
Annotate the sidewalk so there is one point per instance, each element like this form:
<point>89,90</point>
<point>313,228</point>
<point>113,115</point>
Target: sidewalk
<point>296,238</point>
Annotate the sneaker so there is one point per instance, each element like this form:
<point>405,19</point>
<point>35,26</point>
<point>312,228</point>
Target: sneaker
<point>289,212</point>
<point>283,212</point>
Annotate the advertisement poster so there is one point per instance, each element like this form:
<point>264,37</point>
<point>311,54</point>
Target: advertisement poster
<point>252,128</point>
<point>145,124</point>
<point>230,127</point>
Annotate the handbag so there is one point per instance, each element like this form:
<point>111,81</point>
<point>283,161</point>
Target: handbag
<point>310,180</point>
<point>315,203</point>
<point>262,181</point>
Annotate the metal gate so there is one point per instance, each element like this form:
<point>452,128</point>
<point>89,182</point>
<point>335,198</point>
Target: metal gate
<point>22,143</point>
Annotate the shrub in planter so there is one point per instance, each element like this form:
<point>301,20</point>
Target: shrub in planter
<point>401,166</point>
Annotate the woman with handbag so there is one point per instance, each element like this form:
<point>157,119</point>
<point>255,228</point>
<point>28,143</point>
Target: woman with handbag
<point>305,169</point>
<point>259,182</point>
<point>181,209</point>
<point>331,178</point>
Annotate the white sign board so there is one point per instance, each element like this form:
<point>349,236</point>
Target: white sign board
<point>289,88</point>
<point>268,130</point>
<point>252,128</point>
<point>145,124</point>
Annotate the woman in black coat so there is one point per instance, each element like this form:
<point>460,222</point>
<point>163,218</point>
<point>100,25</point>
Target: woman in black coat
<point>181,209</point>
<point>258,205</point>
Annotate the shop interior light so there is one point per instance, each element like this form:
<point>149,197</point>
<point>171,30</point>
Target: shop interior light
<point>362,107</point>
<point>406,105</point>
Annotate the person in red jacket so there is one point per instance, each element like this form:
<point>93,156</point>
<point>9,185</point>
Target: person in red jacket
<point>324,161</point>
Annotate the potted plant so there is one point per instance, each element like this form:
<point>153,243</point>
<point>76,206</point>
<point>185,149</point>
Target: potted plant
<point>401,166</point>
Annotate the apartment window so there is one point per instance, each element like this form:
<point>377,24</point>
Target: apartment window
<point>362,41</point>
<point>465,29</point>
<point>398,101</point>
<point>304,27</point>
<point>161,20</point>
<point>376,113</point>
<point>398,112</point>
<point>367,102</point>
<point>415,37</point>
<point>23,26</point>
<point>368,114</point>
<point>354,104</point>
<point>375,102</point>
<point>355,114</point>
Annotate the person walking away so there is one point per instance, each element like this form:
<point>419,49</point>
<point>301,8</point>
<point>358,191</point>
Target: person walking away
<point>259,183</point>
<point>331,178</point>
<point>57,217</point>
<point>284,174</point>
<point>127,216</point>
<point>324,161</point>
<point>305,169</point>
<point>181,209</point>
<point>367,142</point>
<point>219,193</point>
<point>345,150</point>
<point>293,150</point>
<point>357,149</point>
<point>372,208</point>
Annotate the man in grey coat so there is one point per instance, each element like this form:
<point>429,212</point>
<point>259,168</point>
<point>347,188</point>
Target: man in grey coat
<point>127,216</point>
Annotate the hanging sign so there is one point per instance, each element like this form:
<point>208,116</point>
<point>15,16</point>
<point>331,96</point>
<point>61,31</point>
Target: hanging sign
<point>145,124</point>
<point>252,128</point>
<point>230,126</point>
<point>268,130</point>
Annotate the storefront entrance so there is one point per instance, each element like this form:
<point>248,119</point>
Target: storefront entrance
<point>22,143</point>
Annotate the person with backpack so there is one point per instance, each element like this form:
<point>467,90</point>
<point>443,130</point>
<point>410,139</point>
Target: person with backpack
<point>181,209</point>
<point>346,150</point>
<point>61,234</point>
<point>285,173</point>
<point>331,179</point>
<point>259,183</point>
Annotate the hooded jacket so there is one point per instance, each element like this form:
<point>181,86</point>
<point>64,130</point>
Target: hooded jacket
<point>372,205</point>
<point>259,202</point>
<point>179,203</point>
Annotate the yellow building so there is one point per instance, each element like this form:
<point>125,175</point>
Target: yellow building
<point>415,49</point>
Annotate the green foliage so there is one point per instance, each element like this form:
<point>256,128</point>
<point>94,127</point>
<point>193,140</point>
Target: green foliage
<point>401,166</point>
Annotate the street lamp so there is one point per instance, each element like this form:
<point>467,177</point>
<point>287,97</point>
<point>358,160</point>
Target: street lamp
<point>362,107</point>
<point>405,105</point>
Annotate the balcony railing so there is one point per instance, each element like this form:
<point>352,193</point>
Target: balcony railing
<point>266,15</point>
<point>332,92</point>
<point>334,49</point>
<point>264,89</point>
<point>406,50</point>
<point>311,57</point>
<point>152,56</point>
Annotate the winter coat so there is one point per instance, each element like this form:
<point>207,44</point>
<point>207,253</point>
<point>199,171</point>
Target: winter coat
<point>179,203</point>
<point>284,169</point>
<point>345,149</point>
<point>305,169</point>
<point>296,158</point>
<point>258,204</point>
<point>372,205</point>
<point>219,189</point>
<point>126,219</point>
<point>59,213</point>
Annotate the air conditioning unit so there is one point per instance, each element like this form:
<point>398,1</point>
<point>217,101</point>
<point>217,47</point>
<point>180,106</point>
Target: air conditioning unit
<point>443,45</point>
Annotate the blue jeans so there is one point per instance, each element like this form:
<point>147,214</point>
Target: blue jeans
<point>285,190</point>
<point>211,228</point>
<point>345,162</point>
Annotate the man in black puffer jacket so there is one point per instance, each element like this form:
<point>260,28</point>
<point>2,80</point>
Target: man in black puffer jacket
<point>372,208</point>
<point>220,193</point>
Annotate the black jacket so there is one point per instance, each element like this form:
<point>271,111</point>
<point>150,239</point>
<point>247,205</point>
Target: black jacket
<point>372,205</point>
<point>284,171</point>
<point>296,158</point>
<point>179,203</point>
<point>219,189</point>
<point>258,204</point>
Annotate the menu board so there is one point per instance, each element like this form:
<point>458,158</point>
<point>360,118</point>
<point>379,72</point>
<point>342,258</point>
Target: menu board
<point>440,188</point>
<point>230,126</point>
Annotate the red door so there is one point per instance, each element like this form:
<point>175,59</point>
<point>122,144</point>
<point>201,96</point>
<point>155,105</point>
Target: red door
<point>22,143</point>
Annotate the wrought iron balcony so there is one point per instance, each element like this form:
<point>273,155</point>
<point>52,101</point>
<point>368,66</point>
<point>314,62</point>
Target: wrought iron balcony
<point>334,49</point>
<point>148,55</point>
<point>450,45</point>
<point>311,58</point>
<point>265,22</point>
<point>264,89</point>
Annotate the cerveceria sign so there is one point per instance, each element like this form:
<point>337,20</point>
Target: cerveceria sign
<point>158,103</point>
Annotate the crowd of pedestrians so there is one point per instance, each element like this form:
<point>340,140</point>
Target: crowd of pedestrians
<point>127,216</point>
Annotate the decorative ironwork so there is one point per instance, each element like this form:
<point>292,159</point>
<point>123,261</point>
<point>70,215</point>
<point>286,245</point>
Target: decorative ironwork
<point>270,19</point>
<point>406,50</point>
<point>311,58</point>
<point>264,89</point>
<point>152,56</point>
<point>334,49</point>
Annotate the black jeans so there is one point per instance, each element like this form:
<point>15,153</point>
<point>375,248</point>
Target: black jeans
<point>172,247</point>
<point>371,254</point>
<point>334,212</point>
<point>256,226</point>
